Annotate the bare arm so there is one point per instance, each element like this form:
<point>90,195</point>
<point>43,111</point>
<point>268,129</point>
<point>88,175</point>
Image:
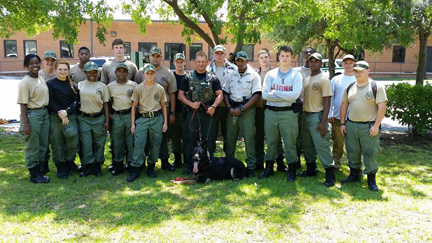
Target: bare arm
<point>373,131</point>
<point>343,112</point>
<point>164,113</point>
<point>106,112</point>
<point>134,105</point>
<point>25,124</point>
<point>322,126</point>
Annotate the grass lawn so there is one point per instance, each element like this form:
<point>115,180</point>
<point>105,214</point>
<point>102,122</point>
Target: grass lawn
<point>269,210</point>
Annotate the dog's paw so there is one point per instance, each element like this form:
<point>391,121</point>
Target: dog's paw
<point>208,180</point>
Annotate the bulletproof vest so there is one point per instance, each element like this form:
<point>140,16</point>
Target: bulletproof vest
<point>201,90</point>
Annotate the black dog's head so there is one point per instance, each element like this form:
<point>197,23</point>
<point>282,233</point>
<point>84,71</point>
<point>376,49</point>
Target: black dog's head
<point>200,157</point>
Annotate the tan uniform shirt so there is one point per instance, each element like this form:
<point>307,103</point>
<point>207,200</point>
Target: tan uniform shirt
<point>164,77</point>
<point>92,96</point>
<point>108,71</point>
<point>77,74</point>
<point>315,88</point>
<point>305,72</point>
<point>361,103</point>
<point>122,94</point>
<point>33,92</point>
<point>47,76</point>
<point>149,99</point>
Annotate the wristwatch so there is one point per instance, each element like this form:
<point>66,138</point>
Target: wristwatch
<point>173,113</point>
<point>241,108</point>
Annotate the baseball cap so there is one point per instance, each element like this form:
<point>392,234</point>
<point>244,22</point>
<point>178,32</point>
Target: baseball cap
<point>50,54</point>
<point>155,50</point>
<point>219,48</point>
<point>315,55</point>
<point>241,55</point>
<point>91,66</point>
<point>349,56</point>
<point>69,131</point>
<point>361,65</point>
<point>122,65</point>
<point>179,56</point>
<point>149,67</point>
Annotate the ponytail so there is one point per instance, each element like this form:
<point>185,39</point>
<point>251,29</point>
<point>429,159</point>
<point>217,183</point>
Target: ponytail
<point>68,78</point>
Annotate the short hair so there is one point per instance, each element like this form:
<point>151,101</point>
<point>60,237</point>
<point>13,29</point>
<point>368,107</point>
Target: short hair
<point>118,41</point>
<point>285,49</point>
<point>201,54</point>
<point>263,51</point>
<point>83,48</point>
<point>28,58</point>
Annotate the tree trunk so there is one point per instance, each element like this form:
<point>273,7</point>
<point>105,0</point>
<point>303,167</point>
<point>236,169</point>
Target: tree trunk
<point>331,46</point>
<point>423,37</point>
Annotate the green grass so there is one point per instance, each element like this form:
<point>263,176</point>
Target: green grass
<point>154,210</point>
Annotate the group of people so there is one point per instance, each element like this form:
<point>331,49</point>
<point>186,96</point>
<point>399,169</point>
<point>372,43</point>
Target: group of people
<point>289,108</point>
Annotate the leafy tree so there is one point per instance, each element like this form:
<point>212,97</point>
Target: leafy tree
<point>63,17</point>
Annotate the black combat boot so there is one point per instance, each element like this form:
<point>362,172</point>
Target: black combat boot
<point>297,164</point>
<point>134,172</point>
<point>291,175</point>
<point>311,170</point>
<point>62,170</point>
<point>97,168</point>
<point>87,170</point>
<point>150,170</point>
<point>330,178</point>
<point>281,165</point>
<point>250,172</point>
<point>177,160</point>
<point>268,171</point>
<point>118,168</point>
<point>166,165</point>
<point>36,175</point>
<point>371,179</point>
<point>73,167</point>
<point>353,176</point>
<point>44,167</point>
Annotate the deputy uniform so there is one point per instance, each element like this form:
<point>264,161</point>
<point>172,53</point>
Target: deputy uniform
<point>108,71</point>
<point>221,111</point>
<point>200,87</point>
<point>33,92</point>
<point>315,89</point>
<point>240,89</point>
<point>280,90</point>
<point>362,106</point>
<point>63,138</point>
<point>149,124</point>
<point>91,119</point>
<point>122,137</point>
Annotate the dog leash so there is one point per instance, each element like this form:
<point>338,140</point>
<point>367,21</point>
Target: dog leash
<point>199,121</point>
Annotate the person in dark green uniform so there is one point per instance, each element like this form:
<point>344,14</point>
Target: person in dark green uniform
<point>201,92</point>
<point>33,98</point>
<point>63,104</point>
<point>93,120</point>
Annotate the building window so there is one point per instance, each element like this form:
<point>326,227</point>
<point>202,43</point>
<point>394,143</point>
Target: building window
<point>173,48</point>
<point>398,54</point>
<point>128,49</point>
<point>145,47</point>
<point>10,48</point>
<point>30,47</point>
<point>66,50</point>
<point>193,49</point>
<point>249,49</point>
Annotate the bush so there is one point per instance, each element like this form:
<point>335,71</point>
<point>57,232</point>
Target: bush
<point>411,105</point>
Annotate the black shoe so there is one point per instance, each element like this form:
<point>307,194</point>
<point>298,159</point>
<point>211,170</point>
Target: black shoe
<point>250,172</point>
<point>87,170</point>
<point>73,167</point>
<point>187,170</point>
<point>118,168</point>
<point>97,169</point>
<point>44,167</point>
<point>268,171</point>
<point>150,171</point>
<point>36,175</point>
<point>166,165</point>
<point>371,180</point>
<point>353,176</point>
<point>330,178</point>
<point>62,170</point>
<point>134,172</point>
<point>311,170</point>
<point>281,165</point>
<point>177,160</point>
<point>291,175</point>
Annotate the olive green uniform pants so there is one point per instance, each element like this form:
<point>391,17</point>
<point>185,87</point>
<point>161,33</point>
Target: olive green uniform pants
<point>64,146</point>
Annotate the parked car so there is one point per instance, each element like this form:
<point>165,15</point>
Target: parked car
<point>338,67</point>
<point>101,60</point>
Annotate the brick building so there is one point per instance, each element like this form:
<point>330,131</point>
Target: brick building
<point>167,36</point>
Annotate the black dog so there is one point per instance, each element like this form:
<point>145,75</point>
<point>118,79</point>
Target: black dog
<point>206,169</point>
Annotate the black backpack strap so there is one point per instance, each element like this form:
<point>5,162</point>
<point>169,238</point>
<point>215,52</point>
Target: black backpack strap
<point>374,88</point>
<point>349,86</point>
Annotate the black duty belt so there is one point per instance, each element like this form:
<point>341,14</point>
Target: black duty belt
<point>151,114</point>
<point>33,109</point>
<point>308,112</point>
<point>122,112</point>
<point>275,108</point>
<point>366,122</point>
<point>92,115</point>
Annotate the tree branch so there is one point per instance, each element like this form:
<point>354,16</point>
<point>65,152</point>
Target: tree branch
<point>209,22</point>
